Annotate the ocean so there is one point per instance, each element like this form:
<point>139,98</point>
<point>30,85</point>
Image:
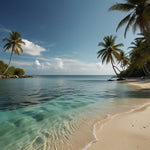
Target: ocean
<point>58,112</point>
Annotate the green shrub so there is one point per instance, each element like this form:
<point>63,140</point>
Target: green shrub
<point>10,71</point>
<point>132,71</point>
<point>2,67</point>
<point>19,72</point>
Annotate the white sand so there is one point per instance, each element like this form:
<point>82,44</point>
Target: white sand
<point>140,84</point>
<point>128,131</point>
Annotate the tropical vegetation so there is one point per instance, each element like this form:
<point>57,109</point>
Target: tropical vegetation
<point>11,70</point>
<point>14,43</point>
<point>123,60</point>
<point>110,51</point>
<point>137,17</point>
<point>137,61</point>
<point>139,58</point>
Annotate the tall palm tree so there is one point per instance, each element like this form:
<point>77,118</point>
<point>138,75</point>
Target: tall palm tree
<point>136,17</point>
<point>14,42</point>
<point>110,51</point>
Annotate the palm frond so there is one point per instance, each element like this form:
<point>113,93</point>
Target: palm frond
<point>118,45</point>
<point>116,55</point>
<point>123,21</point>
<point>138,18</point>
<point>19,46</point>
<point>7,39</point>
<point>104,58</point>
<point>131,21</point>
<point>101,51</point>
<point>7,46</point>
<point>122,7</point>
<point>133,2</point>
<point>108,59</point>
<point>101,44</point>
<point>20,41</point>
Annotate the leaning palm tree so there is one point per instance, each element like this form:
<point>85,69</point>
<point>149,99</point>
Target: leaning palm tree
<point>110,51</point>
<point>14,42</point>
<point>136,17</point>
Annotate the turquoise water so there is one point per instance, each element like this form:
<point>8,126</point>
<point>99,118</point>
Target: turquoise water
<point>43,112</point>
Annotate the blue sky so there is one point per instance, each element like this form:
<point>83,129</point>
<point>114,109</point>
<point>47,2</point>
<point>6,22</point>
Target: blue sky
<point>61,35</point>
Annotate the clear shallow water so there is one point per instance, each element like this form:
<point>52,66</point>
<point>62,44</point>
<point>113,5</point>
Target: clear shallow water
<point>46,111</point>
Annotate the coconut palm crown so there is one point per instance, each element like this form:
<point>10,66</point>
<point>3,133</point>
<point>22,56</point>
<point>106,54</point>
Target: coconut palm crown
<point>136,17</point>
<point>14,43</point>
<point>140,54</point>
<point>110,51</point>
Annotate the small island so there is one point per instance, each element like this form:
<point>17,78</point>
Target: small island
<point>12,72</point>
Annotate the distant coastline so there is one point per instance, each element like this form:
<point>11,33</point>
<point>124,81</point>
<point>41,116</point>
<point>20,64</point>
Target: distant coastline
<point>14,76</point>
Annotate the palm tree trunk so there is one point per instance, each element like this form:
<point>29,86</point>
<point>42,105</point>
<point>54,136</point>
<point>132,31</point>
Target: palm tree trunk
<point>148,30</point>
<point>9,62</point>
<point>114,68</point>
<point>147,70</point>
<point>144,71</point>
<point>117,68</point>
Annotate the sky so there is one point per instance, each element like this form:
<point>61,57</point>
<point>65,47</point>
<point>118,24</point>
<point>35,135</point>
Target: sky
<point>61,36</point>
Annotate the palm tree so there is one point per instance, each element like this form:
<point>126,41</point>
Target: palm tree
<point>136,17</point>
<point>14,42</point>
<point>144,46</point>
<point>110,51</point>
<point>140,55</point>
<point>145,39</point>
<point>123,60</point>
<point>145,49</point>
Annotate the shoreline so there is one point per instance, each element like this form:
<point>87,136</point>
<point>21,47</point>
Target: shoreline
<point>14,76</point>
<point>138,83</point>
<point>115,129</point>
<point>106,121</point>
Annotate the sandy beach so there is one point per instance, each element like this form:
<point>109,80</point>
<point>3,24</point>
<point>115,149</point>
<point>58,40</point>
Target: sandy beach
<point>125,131</point>
<point>139,83</point>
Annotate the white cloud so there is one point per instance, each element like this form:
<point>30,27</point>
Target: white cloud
<point>48,64</point>
<point>37,63</point>
<point>32,49</point>
<point>60,64</point>
<point>42,66</point>
<point>99,65</point>
<point>21,63</point>
<point>63,66</point>
<point>71,66</point>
